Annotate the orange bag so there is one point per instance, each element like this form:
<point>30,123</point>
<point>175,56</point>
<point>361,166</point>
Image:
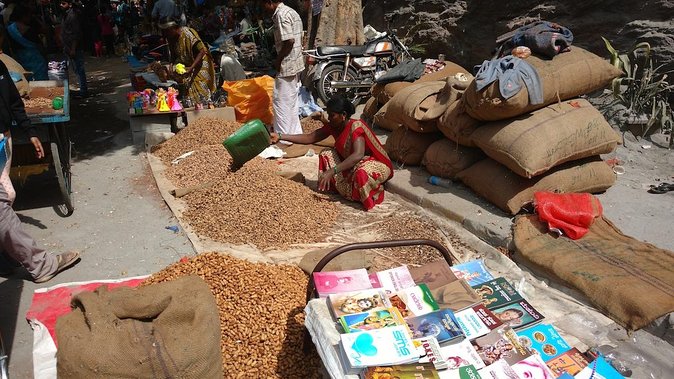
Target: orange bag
<point>572,213</point>
<point>251,98</point>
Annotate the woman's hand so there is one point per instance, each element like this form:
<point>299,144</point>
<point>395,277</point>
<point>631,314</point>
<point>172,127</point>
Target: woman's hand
<point>324,179</point>
<point>274,137</point>
<point>39,152</point>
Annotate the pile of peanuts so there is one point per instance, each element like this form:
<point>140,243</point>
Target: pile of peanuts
<point>207,163</point>
<point>309,125</point>
<point>37,102</point>
<point>261,314</point>
<point>255,205</point>
<point>203,131</point>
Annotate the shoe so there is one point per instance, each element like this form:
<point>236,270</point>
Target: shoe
<point>64,260</point>
<point>661,188</point>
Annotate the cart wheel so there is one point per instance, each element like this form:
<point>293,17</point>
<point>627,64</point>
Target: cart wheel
<point>64,178</point>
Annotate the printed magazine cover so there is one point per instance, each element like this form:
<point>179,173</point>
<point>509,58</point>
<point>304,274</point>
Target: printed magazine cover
<point>392,280</point>
<point>474,272</point>
<point>440,324</point>
<point>545,339</point>
<point>375,319</point>
<point>518,315</point>
<point>341,281</point>
<point>341,304</point>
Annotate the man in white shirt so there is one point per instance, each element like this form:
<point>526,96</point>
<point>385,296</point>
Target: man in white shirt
<point>289,64</point>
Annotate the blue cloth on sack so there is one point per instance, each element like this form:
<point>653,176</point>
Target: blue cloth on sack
<point>510,71</point>
<point>307,104</point>
<point>543,37</point>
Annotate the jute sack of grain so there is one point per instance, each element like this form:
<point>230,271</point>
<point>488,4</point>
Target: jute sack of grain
<point>533,143</point>
<point>409,105</point>
<point>380,120</point>
<point>407,146</point>
<point>444,158</point>
<point>450,69</point>
<point>370,109</point>
<point>564,77</point>
<point>510,192</point>
<point>384,92</point>
<point>450,93</point>
<point>167,330</point>
<point>457,125</point>
<point>631,281</point>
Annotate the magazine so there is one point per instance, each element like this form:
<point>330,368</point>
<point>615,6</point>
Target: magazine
<point>392,280</point>
<point>440,324</point>
<point>341,281</point>
<point>572,361</point>
<point>518,315</point>
<point>545,340</point>
<point>474,272</point>
<point>341,304</point>
<point>375,319</point>
<point>497,293</point>
<point>379,347</point>
<point>501,343</point>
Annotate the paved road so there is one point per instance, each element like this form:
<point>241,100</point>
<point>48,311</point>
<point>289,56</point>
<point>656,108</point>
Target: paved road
<point>120,219</point>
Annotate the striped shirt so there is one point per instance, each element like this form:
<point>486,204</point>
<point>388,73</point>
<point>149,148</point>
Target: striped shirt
<point>288,25</point>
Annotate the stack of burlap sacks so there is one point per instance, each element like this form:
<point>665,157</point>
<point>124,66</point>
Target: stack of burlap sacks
<point>504,150</point>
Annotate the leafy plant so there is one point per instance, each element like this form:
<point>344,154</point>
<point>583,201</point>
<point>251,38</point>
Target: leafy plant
<point>643,90</point>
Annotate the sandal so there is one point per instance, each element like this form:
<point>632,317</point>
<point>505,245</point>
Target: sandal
<point>661,188</point>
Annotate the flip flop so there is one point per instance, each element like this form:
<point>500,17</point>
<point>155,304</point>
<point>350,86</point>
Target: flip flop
<point>661,188</point>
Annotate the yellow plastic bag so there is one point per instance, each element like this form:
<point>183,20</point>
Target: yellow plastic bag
<point>251,98</point>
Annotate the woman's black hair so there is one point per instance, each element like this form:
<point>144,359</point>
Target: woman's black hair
<point>340,104</point>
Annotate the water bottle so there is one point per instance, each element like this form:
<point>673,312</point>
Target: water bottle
<point>438,181</point>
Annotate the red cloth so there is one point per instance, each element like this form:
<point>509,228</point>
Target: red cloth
<point>572,213</point>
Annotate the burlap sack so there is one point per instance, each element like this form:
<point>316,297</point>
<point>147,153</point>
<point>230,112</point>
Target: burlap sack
<point>409,105</point>
<point>509,191</point>
<point>457,125</point>
<point>531,144</point>
<point>384,92</point>
<point>380,120</point>
<point>407,146</point>
<point>450,69</point>
<point>444,158</point>
<point>370,109</point>
<point>166,330</point>
<point>566,76</point>
<point>13,66</point>
<point>450,93</point>
<point>631,281</point>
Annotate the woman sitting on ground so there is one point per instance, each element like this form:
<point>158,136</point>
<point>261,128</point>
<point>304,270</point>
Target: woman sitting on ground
<point>358,166</point>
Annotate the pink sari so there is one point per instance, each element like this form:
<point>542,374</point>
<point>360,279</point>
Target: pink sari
<point>364,181</point>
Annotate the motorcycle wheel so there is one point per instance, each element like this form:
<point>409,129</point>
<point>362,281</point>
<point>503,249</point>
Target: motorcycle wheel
<point>334,72</point>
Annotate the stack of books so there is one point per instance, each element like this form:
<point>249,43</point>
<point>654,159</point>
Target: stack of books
<point>441,322</point>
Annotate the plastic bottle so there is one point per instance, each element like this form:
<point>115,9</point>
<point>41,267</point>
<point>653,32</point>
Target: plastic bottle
<point>438,181</point>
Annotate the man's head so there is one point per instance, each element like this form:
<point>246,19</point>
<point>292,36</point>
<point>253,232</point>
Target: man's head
<point>270,6</point>
<point>66,4</point>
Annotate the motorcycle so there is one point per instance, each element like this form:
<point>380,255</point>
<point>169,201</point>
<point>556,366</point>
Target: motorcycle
<point>352,70</point>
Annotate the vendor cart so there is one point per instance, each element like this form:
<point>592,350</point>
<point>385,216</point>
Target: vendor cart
<point>51,125</point>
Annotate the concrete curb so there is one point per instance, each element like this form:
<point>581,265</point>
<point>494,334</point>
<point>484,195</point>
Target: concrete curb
<point>457,203</point>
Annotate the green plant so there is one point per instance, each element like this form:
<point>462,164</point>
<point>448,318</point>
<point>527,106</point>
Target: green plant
<point>643,90</point>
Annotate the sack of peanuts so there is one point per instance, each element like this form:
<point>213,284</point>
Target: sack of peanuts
<point>166,330</point>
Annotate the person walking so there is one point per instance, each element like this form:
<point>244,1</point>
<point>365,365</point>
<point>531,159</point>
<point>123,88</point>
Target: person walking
<point>25,42</point>
<point>107,32</point>
<point>14,241</point>
<point>288,64</point>
<point>71,36</point>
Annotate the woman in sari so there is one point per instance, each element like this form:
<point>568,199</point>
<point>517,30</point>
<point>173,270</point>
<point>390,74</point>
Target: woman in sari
<point>358,166</point>
<point>187,48</point>
<point>26,44</point>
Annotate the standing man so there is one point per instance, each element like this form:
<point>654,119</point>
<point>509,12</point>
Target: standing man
<point>288,64</point>
<point>16,243</point>
<point>71,35</point>
<point>164,9</point>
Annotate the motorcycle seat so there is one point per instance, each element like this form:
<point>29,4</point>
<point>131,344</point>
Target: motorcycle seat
<point>351,49</point>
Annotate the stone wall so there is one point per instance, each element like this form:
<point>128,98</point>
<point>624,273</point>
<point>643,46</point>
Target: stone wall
<point>465,31</point>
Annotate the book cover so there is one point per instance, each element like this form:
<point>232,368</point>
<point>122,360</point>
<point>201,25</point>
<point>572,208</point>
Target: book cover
<point>488,317</point>
<point>341,304</point>
<point>460,354</point>
<point>375,319</point>
<point>435,274</point>
<point>545,339</point>
<point>464,372</point>
<point>414,301</point>
<point>502,343</point>
<point>599,369</point>
<point>457,295</point>
<point>518,315</point>
<point>533,367</point>
<point>497,292</point>
<point>440,324</point>
<point>474,272</point>
<point>407,371</point>
<point>341,281</point>
<point>379,347</point>
<point>392,280</point>
<point>500,369</point>
<point>571,361</point>
<point>471,324</point>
